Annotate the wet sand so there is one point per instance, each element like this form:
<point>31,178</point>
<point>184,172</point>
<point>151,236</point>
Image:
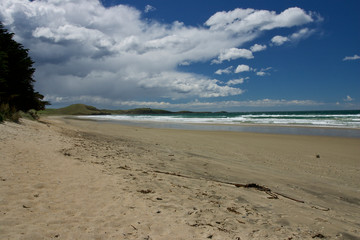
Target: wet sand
<point>72,179</point>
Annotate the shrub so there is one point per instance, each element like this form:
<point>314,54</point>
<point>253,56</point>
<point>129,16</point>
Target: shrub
<point>9,113</point>
<point>5,111</point>
<point>15,117</point>
<point>33,114</point>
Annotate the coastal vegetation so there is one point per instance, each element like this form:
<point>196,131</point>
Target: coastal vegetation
<point>17,92</point>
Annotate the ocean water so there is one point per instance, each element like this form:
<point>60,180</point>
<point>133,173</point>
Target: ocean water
<point>343,119</point>
<point>331,123</point>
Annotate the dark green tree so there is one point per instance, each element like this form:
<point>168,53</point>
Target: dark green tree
<point>16,76</point>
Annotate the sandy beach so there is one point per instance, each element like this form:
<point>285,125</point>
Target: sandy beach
<point>73,179</point>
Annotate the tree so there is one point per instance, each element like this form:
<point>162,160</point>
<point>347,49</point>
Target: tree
<point>16,76</point>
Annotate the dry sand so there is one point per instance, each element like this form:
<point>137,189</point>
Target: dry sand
<point>72,179</point>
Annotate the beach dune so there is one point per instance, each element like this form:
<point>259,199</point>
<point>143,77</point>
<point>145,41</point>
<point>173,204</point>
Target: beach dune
<point>64,178</point>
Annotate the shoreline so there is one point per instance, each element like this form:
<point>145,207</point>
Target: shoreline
<point>84,179</point>
<point>241,127</point>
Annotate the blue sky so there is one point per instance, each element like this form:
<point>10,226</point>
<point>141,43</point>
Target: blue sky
<point>248,55</point>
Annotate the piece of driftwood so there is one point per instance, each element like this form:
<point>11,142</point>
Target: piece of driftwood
<point>273,195</point>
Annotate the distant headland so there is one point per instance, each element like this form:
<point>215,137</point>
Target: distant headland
<point>82,109</point>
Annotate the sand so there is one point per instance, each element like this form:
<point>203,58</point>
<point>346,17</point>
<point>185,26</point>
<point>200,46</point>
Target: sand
<point>72,179</point>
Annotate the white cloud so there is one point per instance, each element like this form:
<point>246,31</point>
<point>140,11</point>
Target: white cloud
<point>257,48</point>
<point>242,68</point>
<point>279,40</point>
<point>149,8</point>
<point>185,63</point>
<point>355,57</point>
<point>263,71</point>
<point>233,53</point>
<point>348,99</point>
<point>301,34</point>
<point>246,20</point>
<point>290,17</point>
<point>297,36</point>
<point>82,48</point>
<point>235,81</point>
<point>187,84</point>
<point>227,70</point>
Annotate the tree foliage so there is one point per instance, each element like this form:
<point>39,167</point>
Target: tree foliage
<point>16,76</point>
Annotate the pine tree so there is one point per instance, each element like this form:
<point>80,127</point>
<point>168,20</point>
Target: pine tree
<point>16,76</point>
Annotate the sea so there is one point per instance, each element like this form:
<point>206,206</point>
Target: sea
<point>345,123</point>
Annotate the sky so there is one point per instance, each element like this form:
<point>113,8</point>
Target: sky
<point>231,55</point>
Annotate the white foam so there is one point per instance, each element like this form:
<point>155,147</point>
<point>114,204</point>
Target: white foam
<point>279,119</point>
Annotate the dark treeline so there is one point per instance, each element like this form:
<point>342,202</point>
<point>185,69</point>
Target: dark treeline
<point>16,78</point>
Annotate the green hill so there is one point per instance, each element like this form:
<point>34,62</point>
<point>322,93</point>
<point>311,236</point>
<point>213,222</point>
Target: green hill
<point>144,111</point>
<point>75,109</point>
<point>82,109</point>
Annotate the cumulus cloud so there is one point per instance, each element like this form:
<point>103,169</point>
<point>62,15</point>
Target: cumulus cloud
<point>247,20</point>
<point>301,34</point>
<point>257,48</point>
<point>82,48</point>
<point>242,68</point>
<point>233,53</point>
<point>355,57</point>
<point>279,40</point>
<point>227,70</point>
<point>263,71</point>
<point>297,36</point>
<point>149,8</point>
<point>188,84</point>
<point>235,81</point>
<point>348,99</point>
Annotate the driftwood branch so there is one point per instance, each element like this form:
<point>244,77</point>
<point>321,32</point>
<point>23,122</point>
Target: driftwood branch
<point>273,195</point>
